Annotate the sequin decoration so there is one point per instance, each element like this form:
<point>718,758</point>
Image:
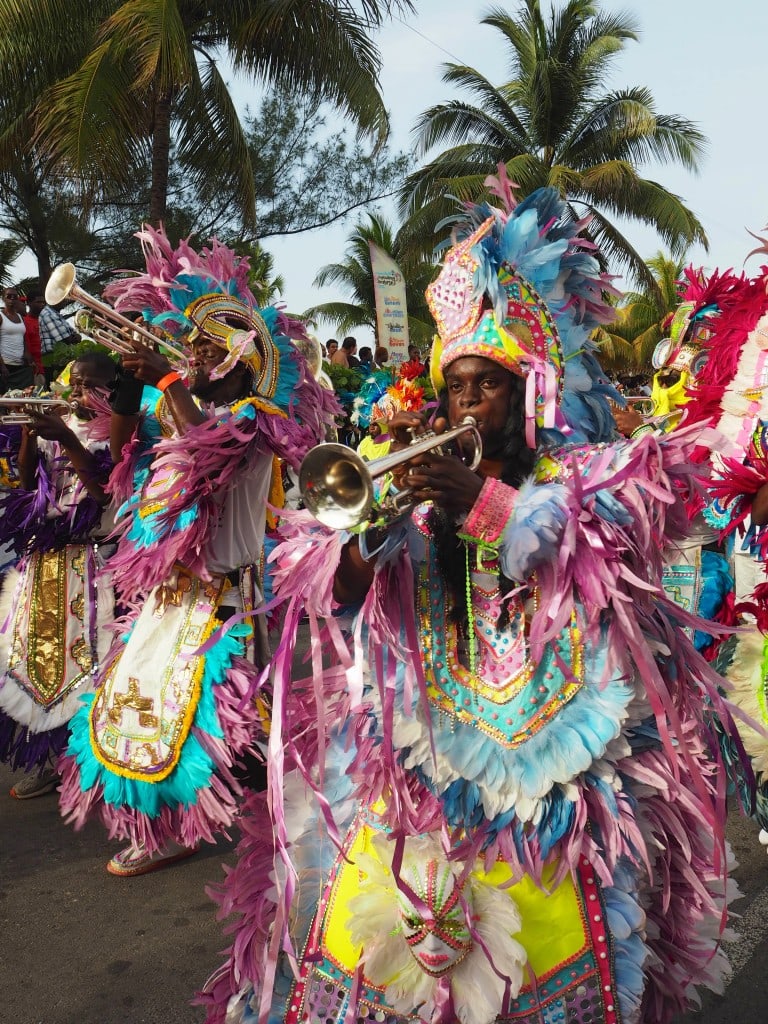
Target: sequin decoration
<point>451,297</point>
<point>218,316</point>
<point>144,710</point>
<point>529,320</point>
<point>51,650</point>
<point>509,698</point>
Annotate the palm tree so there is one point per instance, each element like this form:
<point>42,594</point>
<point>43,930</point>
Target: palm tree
<point>117,83</point>
<point>553,123</point>
<point>627,344</point>
<point>354,276</point>
<point>9,253</point>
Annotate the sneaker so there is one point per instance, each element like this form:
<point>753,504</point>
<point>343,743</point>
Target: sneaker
<point>763,837</point>
<point>35,785</point>
<point>135,860</point>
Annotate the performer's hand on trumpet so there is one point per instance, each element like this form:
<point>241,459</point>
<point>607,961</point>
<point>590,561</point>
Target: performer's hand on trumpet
<point>145,363</point>
<point>443,479</point>
<point>49,426</point>
<point>627,420</point>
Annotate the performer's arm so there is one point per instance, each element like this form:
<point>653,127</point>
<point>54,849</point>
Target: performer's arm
<point>153,368</point>
<point>28,458</point>
<point>126,405</point>
<point>354,574</point>
<point>83,462</point>
<point>759,511</point>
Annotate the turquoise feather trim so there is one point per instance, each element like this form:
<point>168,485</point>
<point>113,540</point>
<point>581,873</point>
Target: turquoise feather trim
<point>195,767</point>
<point>473,773</point>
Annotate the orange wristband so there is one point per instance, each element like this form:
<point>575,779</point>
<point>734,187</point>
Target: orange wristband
<point>167,380</point>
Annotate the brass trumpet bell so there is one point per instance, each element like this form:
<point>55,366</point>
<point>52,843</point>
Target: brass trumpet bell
<point>107,327</point>
<point>337,485</point>
<point>20,409</point>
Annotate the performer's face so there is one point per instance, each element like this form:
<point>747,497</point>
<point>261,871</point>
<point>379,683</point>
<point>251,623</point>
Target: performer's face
<point>481,388</point>
<point>440,943</point>
<point>85,378</point>
<point>206,356</point>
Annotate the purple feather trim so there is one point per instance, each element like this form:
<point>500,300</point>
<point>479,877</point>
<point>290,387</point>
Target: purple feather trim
<point>26,516</point>
<point>150,290</point>
<point>688,899</point>
<point>603,567</point>
<point>209,459</point>
<point>247,898</point>
<point>24,750</point>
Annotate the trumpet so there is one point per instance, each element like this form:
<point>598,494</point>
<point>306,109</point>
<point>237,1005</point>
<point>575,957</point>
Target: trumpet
<point>22,409</point>
<point>643,404</point>
<point>337,485</point>
<point>107,327</point>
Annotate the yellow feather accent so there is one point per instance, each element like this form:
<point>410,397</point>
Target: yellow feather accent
<point>435,373</point>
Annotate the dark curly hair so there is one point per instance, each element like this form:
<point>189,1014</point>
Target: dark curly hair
<point>517,463</point>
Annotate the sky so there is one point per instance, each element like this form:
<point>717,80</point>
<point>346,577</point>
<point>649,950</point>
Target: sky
<point>702,60</point>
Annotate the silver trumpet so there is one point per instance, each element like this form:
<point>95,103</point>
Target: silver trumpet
<point>337,485</point>
<point>107,327</point>
<point>21,409</point>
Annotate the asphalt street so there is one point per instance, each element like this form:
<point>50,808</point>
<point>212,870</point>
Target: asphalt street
<point>79,946</point>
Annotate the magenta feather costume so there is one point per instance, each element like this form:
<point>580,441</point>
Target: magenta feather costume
<point>496,817</point>
<point>153,753</point>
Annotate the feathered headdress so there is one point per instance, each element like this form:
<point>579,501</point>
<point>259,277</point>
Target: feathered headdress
<point>379,398</point>
<point>728,314</point>
<point>205,294</point>
<point>524,289</point>
<point>689,327</point>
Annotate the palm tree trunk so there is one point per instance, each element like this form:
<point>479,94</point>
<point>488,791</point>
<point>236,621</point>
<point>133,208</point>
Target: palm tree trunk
<point>29,184</point>
<point>161,156</point>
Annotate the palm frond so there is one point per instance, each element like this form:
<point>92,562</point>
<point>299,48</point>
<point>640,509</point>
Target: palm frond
<point>341,66</point>
<point>209,124</point>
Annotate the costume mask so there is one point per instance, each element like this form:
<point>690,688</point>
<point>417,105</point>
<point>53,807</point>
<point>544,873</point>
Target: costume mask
<point>439,940</point>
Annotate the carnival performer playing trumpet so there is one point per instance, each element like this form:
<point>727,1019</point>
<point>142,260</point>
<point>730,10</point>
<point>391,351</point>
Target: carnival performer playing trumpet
<point>55,615</point>
<point>155,753</point>
<point>489,806</point>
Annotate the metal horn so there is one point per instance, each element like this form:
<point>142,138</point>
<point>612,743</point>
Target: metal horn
<point>23,408</point>
<point>643,404</point>
<point>108,327</point>
<point>336,484</point>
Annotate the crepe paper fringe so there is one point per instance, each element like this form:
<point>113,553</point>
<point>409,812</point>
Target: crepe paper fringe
<point>150,290</point>
<point>208,458</point>
<point>24,709</point>
<point>627,504</point>
<point>741,303</point>
<point>716,601</point>
<point>248,898</point>
<point>200,797</point>
<point>690,893</point>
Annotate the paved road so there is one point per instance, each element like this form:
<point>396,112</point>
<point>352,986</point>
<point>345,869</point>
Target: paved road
<point>78,946</point>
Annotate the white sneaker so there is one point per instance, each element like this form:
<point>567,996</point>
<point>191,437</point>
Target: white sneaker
<point>763,837</point>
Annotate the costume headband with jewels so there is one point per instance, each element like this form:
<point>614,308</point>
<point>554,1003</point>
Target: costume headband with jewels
<point>205,294</point>
<point>522,287</point>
